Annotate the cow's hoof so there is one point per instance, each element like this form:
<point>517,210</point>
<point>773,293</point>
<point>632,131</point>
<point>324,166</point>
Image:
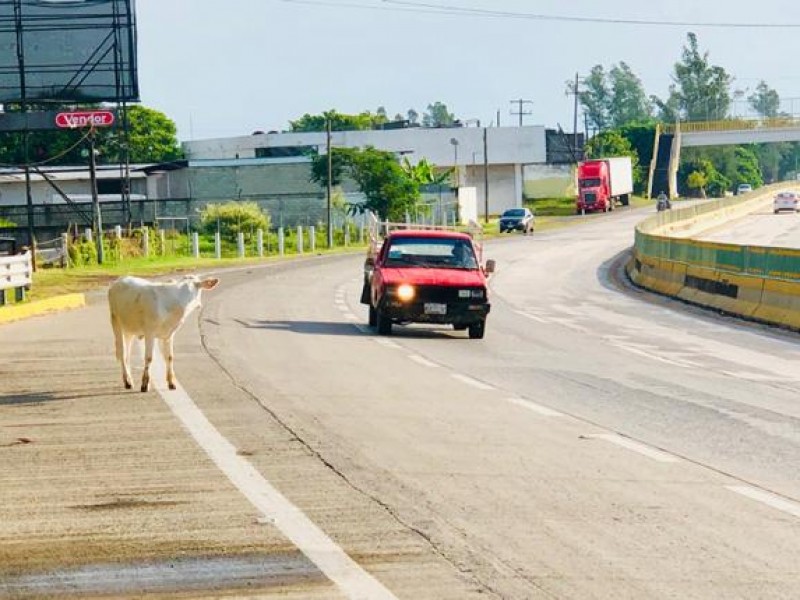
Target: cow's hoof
<point>144,388</point>
<point>128,385</point>
<point>172,386</point>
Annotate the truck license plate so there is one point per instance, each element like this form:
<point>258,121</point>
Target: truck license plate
<point>435,308</point>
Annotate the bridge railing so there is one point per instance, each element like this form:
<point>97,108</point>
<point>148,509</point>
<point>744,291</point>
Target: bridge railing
<point>731,125</point>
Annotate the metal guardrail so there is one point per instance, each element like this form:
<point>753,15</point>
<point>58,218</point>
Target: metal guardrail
<point>16,272</point>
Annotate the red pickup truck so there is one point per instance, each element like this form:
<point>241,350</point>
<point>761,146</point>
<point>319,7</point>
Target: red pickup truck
<point>427,276</point>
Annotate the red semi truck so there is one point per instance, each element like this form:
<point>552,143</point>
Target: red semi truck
<point>603,182</point>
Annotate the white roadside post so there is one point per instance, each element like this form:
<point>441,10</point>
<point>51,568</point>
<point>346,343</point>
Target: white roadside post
<point>217,245</point>
<point>281,242</point>
<point>146,242</point>
<point>240,244</point>
<point>88,236</point>
<point>163,238</point>
<point>260,243</point>
<point>312,238</point>
<point>299,239</point>
<point>195,244</point>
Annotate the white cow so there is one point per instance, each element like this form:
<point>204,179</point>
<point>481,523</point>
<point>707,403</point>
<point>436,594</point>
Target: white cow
<point>151,310</point>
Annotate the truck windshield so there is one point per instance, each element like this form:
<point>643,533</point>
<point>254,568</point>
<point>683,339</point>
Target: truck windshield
<point>431,252</point>
<point>591,182</point>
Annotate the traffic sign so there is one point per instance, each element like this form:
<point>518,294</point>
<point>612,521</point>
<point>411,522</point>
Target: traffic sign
<point>89,118</point>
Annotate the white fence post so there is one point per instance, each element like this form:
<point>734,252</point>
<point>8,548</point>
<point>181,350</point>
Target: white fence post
<point>260,243</point>
<point>281,241</point>
<point>299,239</point>
<point>195,244</point>
<point>146,242</point>
<point>162,236</point>
<point>118,231</point>
<point>64,250</point>
<point>217,245</point>
<point>346,233</point>
<point>87,235</point>
<point>240,243</point>
<point>312,238</point>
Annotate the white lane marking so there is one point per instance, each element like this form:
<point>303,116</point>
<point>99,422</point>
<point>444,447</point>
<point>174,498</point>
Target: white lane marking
<point>334,562</point>
<point>471,382</point>
<point>537,408</point>
<point>387,343</point>
<point>773,500</point>
<point>530,316</point>
<point>422,360</point>
<point>635,446</point>
<point>752,376</point>
<point>649,352</point>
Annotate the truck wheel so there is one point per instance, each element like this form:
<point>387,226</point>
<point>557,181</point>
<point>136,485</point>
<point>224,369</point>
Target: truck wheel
<point>383,322</point>
<point>373,317</point>
<point>476,330</point>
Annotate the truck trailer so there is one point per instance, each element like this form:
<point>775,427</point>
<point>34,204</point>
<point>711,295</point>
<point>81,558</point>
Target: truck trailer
<point>604,182</point>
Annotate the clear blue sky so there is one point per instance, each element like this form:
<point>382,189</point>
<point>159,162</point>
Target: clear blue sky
<point>220,68</point>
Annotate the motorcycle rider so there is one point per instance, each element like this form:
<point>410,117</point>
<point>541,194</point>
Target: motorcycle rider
<point>662,202</point>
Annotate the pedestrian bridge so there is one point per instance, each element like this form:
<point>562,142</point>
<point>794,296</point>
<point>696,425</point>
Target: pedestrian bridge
<point>671,138</point>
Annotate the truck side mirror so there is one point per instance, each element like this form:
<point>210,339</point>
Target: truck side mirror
<point>490,266</point>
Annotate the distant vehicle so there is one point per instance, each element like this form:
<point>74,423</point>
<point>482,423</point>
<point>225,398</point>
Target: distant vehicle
<point>786,201</point>
<point>662,202</point>
<point>426,276</point>
<point>604,182</point>
<point>744,188</point>
<point>517,219</point>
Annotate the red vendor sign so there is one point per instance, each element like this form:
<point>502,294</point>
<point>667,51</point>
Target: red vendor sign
<point>94,118</point>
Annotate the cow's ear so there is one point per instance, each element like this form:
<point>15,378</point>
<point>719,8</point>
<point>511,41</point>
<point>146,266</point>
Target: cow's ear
<point>207,284</point>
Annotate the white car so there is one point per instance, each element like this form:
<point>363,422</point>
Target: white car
<point>785,201</point>
<point>744,188</point>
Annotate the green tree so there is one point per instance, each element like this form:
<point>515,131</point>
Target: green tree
<point>765,101</point>
<point>700,90</point>
<point>389,189</point>
<point>339,122</point>
<point>413,116</point>
<point>152,137</point>
<point>594,98</point>
<point>437,115</point>
<point>697,181</point>
<point>611,143</point>
<point>628,102</point>
<point>747,168</point>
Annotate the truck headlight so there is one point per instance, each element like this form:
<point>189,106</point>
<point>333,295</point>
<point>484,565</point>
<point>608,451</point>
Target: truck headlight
<point>405,292</point>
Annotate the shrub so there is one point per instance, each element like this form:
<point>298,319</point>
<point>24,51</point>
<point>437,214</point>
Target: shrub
<point>234,217</point>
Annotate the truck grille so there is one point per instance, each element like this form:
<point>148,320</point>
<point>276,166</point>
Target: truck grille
<point>589,198</point>
<point>444,295</point>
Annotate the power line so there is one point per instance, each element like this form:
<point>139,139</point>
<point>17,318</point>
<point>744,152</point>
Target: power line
<point>432,8</point>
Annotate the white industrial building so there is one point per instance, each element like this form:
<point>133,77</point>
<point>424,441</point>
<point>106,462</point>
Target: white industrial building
<point>507,151</point>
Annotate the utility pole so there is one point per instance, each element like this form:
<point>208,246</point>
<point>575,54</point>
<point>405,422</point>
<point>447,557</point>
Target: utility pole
<point>330,184</point>
<point>98,215</point>
<point>575,116</point>
<point>521,112</point>
<point>486,178</point>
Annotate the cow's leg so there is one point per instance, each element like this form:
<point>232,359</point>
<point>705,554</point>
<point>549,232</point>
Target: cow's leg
<point>167,353</point>
<point>127,342</point>
<point>149,341</point>
<point>121,350</point>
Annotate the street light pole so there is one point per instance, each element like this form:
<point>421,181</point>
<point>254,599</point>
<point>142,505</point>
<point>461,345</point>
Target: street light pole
<point>485,178</point>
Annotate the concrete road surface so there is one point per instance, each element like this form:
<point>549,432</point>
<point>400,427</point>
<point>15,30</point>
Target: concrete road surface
<point>598,443</point>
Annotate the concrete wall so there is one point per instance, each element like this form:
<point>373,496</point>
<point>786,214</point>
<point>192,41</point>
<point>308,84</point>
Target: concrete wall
<point>759,283</point>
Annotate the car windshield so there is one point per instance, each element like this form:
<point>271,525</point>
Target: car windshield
<point>431,252</point>
<point>514,212</point>
<point>590,182</point>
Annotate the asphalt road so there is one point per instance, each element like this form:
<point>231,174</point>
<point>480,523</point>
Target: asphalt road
<point>598,443</point>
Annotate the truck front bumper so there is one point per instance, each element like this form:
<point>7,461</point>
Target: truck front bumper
<point>462,313</point>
